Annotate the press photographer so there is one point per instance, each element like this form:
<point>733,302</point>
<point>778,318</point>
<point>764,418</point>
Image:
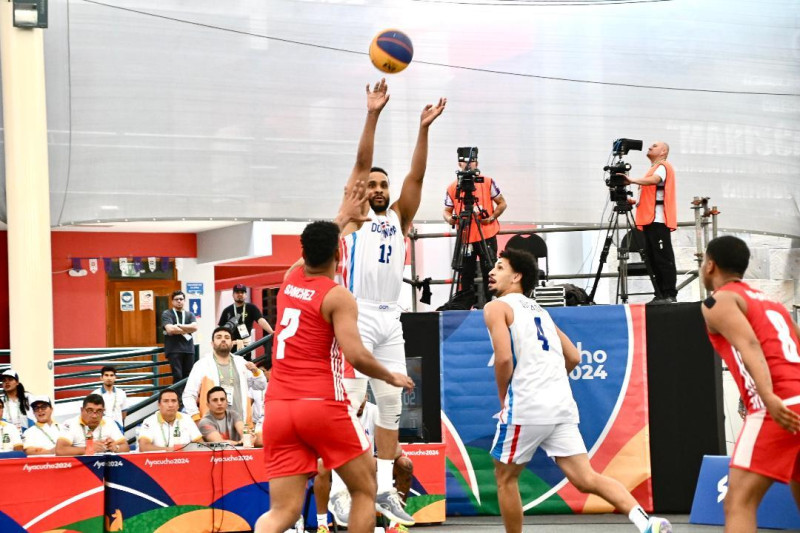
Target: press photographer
<point>656,216</point>
<point>488,205</point>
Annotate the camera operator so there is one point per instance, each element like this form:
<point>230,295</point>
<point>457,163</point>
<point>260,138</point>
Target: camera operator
<point>489,205</point>
<point>656,216</point>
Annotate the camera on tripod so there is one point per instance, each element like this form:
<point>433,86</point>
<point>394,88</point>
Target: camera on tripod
<point>467,178</point>
<point>617,179</point>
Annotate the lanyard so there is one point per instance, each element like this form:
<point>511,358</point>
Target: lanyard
<point>46,434</point>
<point>114,393</point>
<point>243,315</point>
<point>168,436</point>
<point>182,319</point>
<point>230,372</point>
<point>91,431</point>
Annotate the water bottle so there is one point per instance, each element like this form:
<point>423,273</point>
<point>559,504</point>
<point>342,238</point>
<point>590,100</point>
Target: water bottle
<point>247,438</point>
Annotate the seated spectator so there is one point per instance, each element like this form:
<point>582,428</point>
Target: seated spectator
<point>222,369</point>
<point>17,400</point>
<point>9,434</point>
<point>221,424</point>
<point>114,397</point>
<point>105,434</point>
<point>332,494</point>
<point>167,430</point>
<point>40,438</point>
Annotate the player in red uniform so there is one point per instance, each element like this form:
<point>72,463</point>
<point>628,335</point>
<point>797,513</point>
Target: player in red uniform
<point>306,408</point>
<point>758,341</point>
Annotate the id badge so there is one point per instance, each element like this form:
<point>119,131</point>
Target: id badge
<point>243,331</point>
<point>187,336</point>
<point>229,394</point>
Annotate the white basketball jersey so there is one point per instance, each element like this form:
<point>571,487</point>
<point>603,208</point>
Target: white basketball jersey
<point>539,392</point>
<point>373,259</point>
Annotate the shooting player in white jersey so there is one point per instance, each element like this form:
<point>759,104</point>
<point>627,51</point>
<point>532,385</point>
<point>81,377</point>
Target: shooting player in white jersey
<point>373,258</point>
<point>531,360</point>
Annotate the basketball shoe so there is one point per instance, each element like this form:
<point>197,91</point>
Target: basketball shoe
<point>390,505</point>
<point>657,524</point>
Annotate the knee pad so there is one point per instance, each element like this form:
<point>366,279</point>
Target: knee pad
<point>388,399</point>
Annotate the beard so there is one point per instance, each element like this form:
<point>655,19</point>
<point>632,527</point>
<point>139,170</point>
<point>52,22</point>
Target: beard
<point>379,206</point>
<point>223,350</point>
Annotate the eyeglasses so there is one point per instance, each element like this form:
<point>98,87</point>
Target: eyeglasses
<point>40,407</point>
<point>93,412</point>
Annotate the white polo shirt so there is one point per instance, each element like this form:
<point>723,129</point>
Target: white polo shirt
<point>9,436</point>
<point>41,436</point>
<point>159,432</point>
<point>114,402</point>
<point>75,430</point>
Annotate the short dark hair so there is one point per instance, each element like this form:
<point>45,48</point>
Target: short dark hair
<point>524,263</point>
<point>177,293</point>
<point>108,369</point>
<point>730,253</point>
<point>217,329</point>
<point>319,240</point>
<point>212,390</point>
<point>95,399</point>
<point>379,169</point>
<point>168,391</point>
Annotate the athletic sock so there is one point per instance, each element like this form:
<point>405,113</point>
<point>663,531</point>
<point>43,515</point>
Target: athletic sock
<point>322,519</point>
<point>639,518</point>
<point>385,470</point>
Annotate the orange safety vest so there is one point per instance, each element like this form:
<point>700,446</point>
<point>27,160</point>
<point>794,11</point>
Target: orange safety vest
<point>483,200</point>
<point>646,208</point>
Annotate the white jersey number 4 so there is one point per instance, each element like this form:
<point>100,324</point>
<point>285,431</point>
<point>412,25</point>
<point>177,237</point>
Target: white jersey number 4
<point>290,321</point>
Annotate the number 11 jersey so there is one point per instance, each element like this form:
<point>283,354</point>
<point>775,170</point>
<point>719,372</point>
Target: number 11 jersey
<point>306,361</point>
<point>373,258</point>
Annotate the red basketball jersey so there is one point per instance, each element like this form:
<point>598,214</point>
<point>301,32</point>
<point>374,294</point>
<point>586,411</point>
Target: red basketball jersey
<point>306,360</point>
<point>774,329</point>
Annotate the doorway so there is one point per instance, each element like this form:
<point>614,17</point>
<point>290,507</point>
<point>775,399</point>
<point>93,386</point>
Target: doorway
<point>126,323</point>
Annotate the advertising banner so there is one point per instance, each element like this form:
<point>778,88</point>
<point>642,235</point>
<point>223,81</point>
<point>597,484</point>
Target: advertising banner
<point>609,387</point>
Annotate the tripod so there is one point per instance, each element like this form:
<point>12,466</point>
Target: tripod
<point>464,248</point>
<point>622,209</point>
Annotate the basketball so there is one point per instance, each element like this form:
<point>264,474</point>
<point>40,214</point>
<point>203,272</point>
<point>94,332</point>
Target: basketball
<point>391,51</point>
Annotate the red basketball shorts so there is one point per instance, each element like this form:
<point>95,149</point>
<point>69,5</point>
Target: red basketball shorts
<point>765,448</point>
<point>297,432</point>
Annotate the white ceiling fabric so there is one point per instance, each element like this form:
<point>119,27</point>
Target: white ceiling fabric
<point>253,109</point>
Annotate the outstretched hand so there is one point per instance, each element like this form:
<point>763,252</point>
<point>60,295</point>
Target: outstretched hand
<point>401,380</point>
<point>430,112</point>
<point>352,208</point>
<point>377,97</point>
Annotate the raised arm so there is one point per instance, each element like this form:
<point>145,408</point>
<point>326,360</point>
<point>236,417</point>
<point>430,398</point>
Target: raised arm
<point>497,316</point>
<point>411,193</point>
<point>376,101</point>
<point>727,318</point>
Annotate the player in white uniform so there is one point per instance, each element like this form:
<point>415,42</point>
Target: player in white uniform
<point>373,258</point>
<point>532,358</point>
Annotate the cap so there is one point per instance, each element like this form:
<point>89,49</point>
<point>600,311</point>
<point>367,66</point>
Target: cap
<point>239,287</point>
<point>10,373</point>
<point>40,399</point>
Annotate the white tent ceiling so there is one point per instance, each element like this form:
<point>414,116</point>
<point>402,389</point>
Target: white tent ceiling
<point>252,109</point>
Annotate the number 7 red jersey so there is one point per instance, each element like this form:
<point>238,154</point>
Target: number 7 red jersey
<point>306,360</point>
<point>774,329</point>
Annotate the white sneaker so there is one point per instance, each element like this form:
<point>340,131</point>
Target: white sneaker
<point>657,524</point>
<point>390,505</point>
<point>339,506</point>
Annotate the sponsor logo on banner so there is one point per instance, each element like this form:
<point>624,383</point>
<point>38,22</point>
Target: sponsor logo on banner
<point>231,458</point>
<point>413,453</point>
<point>164,462</point>
<point>102,464</point>
<point>93,266</point>
<point>151,264</point>
<point>46,466</point>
